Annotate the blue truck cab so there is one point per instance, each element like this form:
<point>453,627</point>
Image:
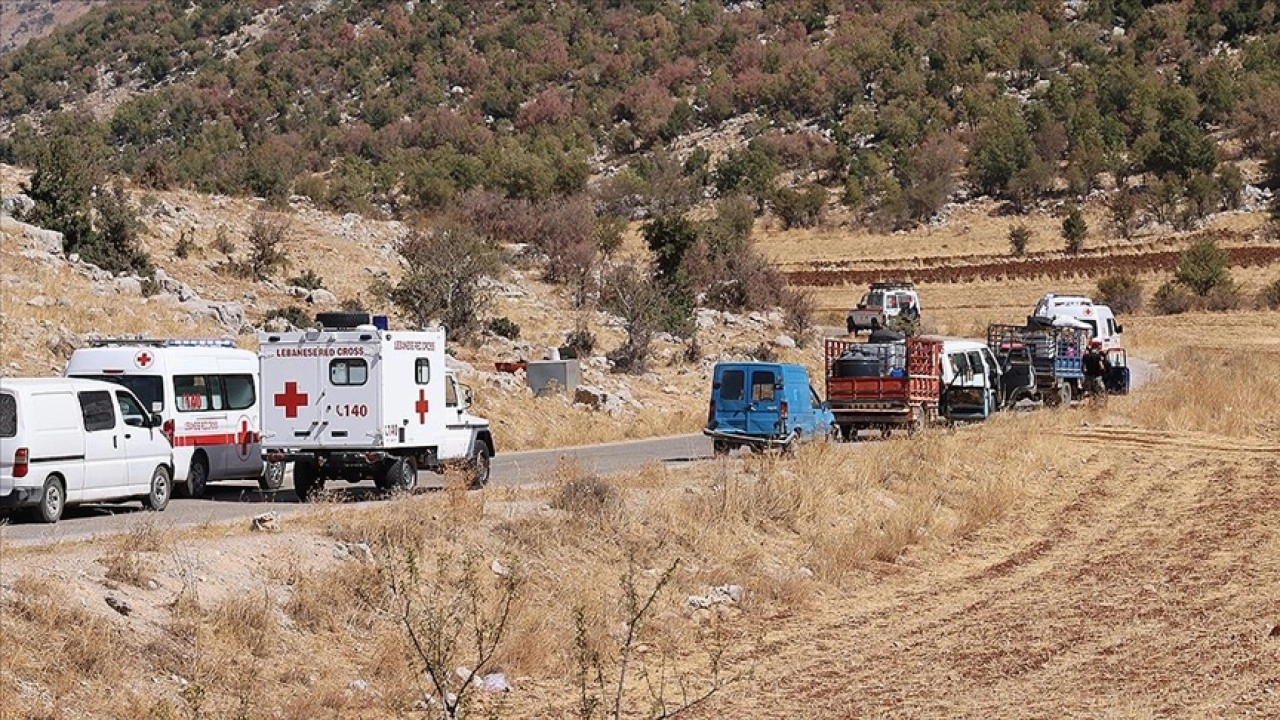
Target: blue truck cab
<point>762,405</point>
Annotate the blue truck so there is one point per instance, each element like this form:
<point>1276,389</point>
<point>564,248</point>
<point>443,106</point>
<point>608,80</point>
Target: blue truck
<point>762,405</point>
<point>1054,352</point>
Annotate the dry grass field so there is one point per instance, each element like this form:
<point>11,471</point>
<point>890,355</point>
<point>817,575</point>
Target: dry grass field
<point>1114,562</point>
<point>1085,562</point>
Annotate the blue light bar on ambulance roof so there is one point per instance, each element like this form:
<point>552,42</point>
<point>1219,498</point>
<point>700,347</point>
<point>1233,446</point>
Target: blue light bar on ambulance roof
<point>200,342</point>
<point>163,342</point>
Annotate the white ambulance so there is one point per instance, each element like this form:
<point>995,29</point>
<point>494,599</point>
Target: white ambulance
<point>1098,319</point>
<point>206,392</point>
<point>354,401</point>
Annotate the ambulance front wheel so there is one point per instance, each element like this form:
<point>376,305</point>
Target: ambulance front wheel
<point>479,465</point>
<point>305,481</point>
<point>272,476</point>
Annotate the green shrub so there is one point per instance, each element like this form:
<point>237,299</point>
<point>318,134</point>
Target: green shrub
<point>1173,298</point>
<point>1270,296</point>
<point>1074,231</point>
<point>185,246</point>
<point>503,327</point>
<point>797,313</point>
<point>444,280</point>
<point>1019,236</point>
<point>580,342</point>
<point>1203,266</point>
<point>308,279</point>
<point>293,315</point>
<point>222,241</point>
<point>797,208</point>
<point>266,245</point>
<point>1223,298</point>
<point>1121,293</point>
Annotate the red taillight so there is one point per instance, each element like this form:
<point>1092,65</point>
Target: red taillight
<point>782,410</point>
<point>275,457</point>
<point>372,457</point>
<point>167,430</point>
<point>21,462</point>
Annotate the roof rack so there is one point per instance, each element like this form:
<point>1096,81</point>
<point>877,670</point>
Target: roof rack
<point>891,284</point>
<point>163,342</point>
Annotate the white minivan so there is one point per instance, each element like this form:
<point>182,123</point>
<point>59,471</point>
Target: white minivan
<point>206,391</point>
<point>65,441</point>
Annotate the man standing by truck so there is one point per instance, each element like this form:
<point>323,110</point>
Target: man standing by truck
<point>1096,366</point>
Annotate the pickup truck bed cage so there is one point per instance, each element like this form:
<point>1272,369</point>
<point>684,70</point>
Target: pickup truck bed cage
<point>895,384</point>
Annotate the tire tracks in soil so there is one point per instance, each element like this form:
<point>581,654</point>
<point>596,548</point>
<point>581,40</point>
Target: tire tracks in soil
<point>1078,603</point>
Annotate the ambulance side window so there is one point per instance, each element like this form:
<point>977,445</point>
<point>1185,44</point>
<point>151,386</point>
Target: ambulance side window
<point>348,371</point>
<point>191,393</point>
<point>240,395</point>
<point>422,371</point>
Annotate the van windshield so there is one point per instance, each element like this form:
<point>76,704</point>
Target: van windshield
<point>874,299</point>
<point>148,388</point>
<point>8,415</point>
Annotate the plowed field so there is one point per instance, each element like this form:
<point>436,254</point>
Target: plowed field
<point>1048,267</point>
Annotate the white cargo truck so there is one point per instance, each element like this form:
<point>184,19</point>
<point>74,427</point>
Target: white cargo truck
<point>352,400</point>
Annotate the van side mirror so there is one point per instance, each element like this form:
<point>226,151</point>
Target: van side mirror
<point>466,396</point>
<point>1119,329</point>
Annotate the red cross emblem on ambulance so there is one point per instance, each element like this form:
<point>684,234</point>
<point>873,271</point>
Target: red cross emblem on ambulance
<point>143,359</point>
<point>290,399</point>
<point>420,406</point>
<point>243,439</point>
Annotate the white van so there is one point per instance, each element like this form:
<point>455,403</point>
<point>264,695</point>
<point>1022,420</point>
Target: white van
<point>206,392</point>
<point>72,441</point>
<point>1099,319</point>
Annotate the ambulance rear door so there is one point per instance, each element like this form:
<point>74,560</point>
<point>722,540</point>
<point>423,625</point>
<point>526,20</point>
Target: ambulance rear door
<point>292,391</point>
<point>349,404</point>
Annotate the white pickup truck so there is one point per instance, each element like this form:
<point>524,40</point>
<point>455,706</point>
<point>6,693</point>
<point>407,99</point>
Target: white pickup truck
<point>883,302</point>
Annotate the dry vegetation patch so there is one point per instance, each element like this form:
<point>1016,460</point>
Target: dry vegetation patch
<point>942,543</point>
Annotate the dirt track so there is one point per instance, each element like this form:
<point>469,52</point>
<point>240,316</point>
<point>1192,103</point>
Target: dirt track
<point>1150,594</point>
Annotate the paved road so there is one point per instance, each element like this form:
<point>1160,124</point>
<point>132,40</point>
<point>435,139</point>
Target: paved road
<point>231,501</point>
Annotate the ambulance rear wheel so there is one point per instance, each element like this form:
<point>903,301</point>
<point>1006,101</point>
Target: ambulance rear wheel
<point>305,482</point>
<point>401,474</point>
<point>478,464</point>
<point>197,477</point>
